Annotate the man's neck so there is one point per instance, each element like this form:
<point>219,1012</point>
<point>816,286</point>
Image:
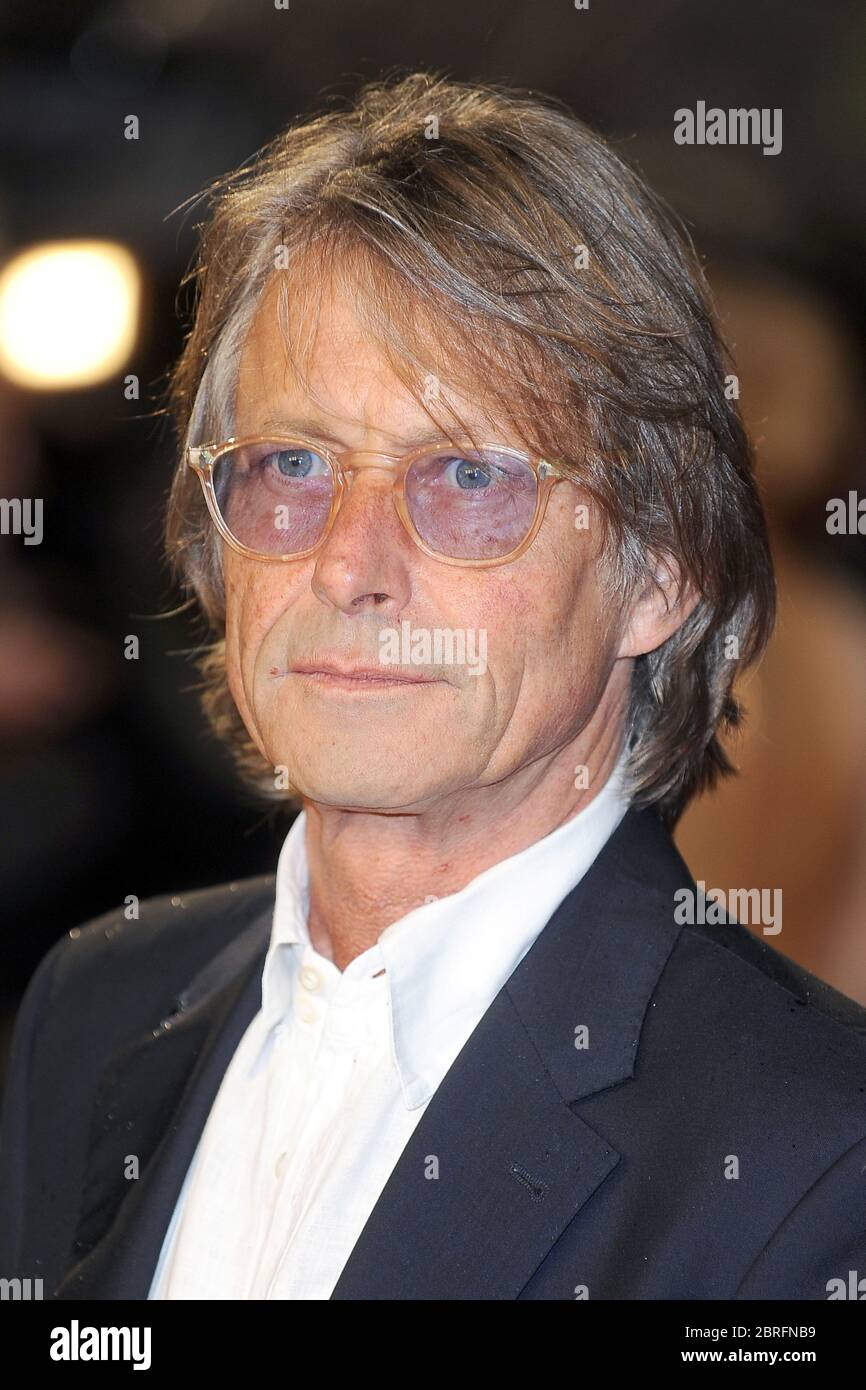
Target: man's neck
<point>368,869</point>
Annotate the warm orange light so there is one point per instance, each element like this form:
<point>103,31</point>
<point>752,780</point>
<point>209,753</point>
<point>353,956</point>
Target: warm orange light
<point>68,313</point>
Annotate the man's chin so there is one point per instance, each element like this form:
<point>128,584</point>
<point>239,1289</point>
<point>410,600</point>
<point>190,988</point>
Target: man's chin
<point>370,787</point>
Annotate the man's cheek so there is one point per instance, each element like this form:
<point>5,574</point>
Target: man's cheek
<point>245,621</point>
<point>242,643</point>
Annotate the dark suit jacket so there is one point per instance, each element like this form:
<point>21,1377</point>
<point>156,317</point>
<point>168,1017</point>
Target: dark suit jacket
<point>563,1171</point>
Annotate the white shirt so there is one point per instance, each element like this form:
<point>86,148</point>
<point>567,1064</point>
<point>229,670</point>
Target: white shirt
<point>335,1071</point>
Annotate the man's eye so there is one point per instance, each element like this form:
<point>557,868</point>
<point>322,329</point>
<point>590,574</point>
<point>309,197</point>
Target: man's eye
<point>294,463</point>
<point>469,474</point>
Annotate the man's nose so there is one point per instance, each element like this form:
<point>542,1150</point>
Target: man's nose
<point>366,560</point>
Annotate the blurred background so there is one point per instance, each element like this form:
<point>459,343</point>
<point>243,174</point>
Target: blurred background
<point>109,785</point>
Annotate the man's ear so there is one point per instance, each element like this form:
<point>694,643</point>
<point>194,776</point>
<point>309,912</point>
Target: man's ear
<point>658,609</point>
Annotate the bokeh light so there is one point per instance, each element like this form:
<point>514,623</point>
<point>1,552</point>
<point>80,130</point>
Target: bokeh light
<point>68,313</point>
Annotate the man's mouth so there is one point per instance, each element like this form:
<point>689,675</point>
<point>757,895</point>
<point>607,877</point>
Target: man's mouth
<point>332,673</point>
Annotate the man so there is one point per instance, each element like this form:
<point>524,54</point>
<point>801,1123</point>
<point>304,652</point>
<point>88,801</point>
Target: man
<point>466,504</point>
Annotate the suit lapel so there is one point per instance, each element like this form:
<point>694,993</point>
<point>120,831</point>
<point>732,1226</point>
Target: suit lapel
<point>494,1171</point>
<point>152,1105</point>
<point>514,1162</point>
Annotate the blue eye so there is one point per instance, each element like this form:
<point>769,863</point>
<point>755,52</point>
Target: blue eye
<point>468,474</point>
<point>295,463</point>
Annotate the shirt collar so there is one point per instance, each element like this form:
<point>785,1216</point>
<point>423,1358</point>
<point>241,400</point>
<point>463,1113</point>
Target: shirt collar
<point>446,960</point>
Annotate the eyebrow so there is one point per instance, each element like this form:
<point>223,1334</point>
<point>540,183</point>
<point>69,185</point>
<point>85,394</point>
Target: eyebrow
<point>315,430</point>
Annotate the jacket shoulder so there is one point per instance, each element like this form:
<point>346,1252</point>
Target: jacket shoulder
<point>184,927</point>
<point>737,1027</point>
<point>724,972</point>
<point>746,956</point>
<point>790,1044</point>
<point>111,973</point>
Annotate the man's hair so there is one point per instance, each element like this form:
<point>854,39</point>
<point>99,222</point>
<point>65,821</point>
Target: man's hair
<point>491,227</point>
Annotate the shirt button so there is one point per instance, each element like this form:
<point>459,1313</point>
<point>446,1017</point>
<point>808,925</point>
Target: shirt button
<point>308,1014</point>
<point>310,978</point>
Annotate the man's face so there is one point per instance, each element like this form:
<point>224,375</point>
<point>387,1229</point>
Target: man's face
<point>547,639</point>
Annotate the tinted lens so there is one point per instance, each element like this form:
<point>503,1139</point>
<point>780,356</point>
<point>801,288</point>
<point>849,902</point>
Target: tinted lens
<point>274,497</point>
<point>470,505</point>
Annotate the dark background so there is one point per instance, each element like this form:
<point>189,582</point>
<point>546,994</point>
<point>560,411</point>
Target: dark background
<point>109,784</point>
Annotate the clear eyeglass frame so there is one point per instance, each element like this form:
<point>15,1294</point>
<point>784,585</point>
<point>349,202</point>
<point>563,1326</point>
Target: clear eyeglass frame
<point>202,459</point>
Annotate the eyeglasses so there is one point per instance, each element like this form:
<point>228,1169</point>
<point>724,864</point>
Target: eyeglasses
<point>275,498</point>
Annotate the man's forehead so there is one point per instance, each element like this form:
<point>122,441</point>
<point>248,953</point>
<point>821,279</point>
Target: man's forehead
<point>334,379</point>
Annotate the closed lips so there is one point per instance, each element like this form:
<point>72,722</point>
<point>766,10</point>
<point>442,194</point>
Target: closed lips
<point>363,673</point>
